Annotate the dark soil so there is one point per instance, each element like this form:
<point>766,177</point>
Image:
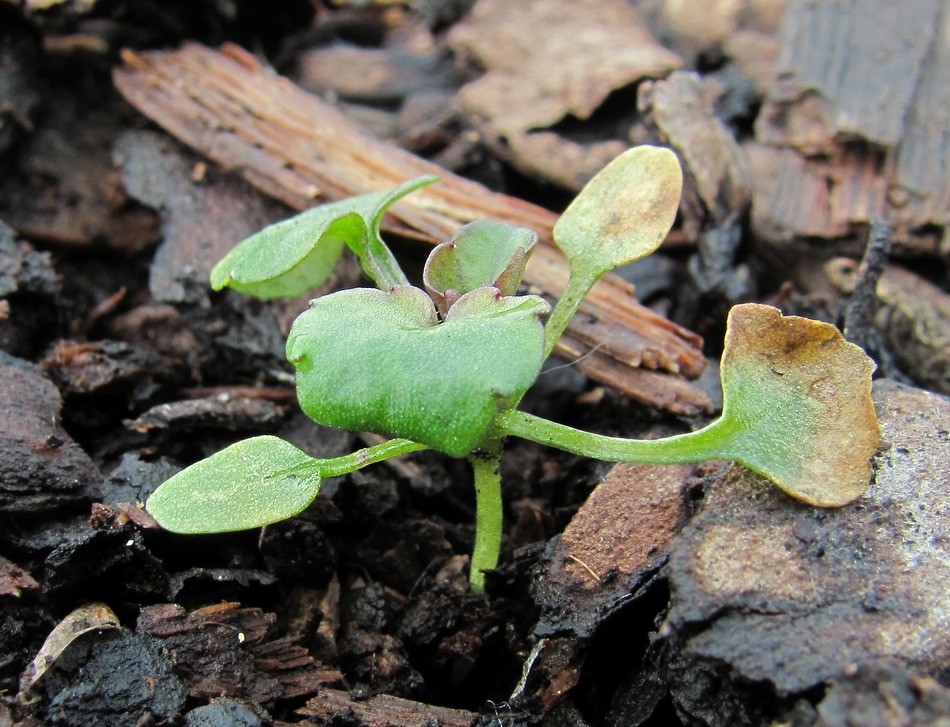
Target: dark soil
<point>115,373</point>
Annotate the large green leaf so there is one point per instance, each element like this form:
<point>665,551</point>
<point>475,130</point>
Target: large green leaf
<point>369,360</point>
<point>294,256</point>
<point>251,483</point>
<point>482,253</point>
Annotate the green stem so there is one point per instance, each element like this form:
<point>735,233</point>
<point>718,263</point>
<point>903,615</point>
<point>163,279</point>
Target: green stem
<point>710,442</point>
<point>337,466</point>
<point>370,455</point>
<point>578,285</point>
<point>486,467</point>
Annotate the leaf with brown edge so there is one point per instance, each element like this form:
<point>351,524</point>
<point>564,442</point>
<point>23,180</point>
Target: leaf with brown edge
<point>797,404</point>
<point>624,212</point>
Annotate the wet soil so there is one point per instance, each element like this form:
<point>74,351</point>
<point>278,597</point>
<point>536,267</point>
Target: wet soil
<point>118,367</point>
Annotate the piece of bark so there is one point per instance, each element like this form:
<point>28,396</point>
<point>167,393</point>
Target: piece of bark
<point>372,75</point>
<point>769,591</point>
<point>912,317</point>
<point>576,54</point>
<point>608,550</point>
<point>299,150</point>
<point>110,677</point>
<point>65,189</point>
<point>203,214</point>
<point>14,580</point>
<point>753,55</point>
<point>23,269</point>
<point>232,413</point>
<point>884,694</point>
<point>856,124</point>
<point>85,368</point>
<point>692,26</point>
<point>226,650</point>
<point>41,467</point>
<point>383,710</point>
<point>826,50</point>
<point>718,180</point>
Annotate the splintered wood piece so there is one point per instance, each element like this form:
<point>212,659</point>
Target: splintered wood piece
<point>301,151</point>
<point>14,580</point>
<point>224,650</point>
<point>836,145</point>
<point>382,710</point>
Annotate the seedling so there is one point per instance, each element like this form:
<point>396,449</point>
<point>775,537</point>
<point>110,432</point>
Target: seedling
<point>446,367</point>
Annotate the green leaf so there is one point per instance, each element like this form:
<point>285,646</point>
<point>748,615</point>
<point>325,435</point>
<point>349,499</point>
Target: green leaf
<point>797,404</point>
<point>624,212</point>
<point>797,408</point>
<point>369,360</point>
<point>621,215</point>
<point>375,257</point>
<point>482,253</point>
<point>294,256</point>
<point>251,483</point>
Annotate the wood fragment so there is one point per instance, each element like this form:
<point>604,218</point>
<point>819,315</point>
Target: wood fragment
<point>14,580</point>
<point>381,711</point>
<point>301,151</point>
<point>517,105</point>
<point>837,146</point>
<point>225,650</point>
<point>612,546</point>
<point>718,179</point>
<point>42,467</point>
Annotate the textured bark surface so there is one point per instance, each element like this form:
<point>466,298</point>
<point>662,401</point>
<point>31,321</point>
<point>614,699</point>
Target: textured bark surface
<point>42,467</point>
<point>837,145</point>
<point>783,594</point>
<point>332,705</point>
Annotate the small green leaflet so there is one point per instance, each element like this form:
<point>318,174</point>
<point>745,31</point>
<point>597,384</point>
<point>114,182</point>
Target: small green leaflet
<point>624,212</point>
<point>252,483</point>
<point>482,253</point>
<point>294,256</point>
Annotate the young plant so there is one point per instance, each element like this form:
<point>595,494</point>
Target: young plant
<point>446,367</point>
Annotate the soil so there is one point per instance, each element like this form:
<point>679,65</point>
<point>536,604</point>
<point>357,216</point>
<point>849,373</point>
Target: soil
<point>118,367</point>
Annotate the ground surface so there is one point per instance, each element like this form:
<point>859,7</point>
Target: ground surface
<point>676,595</point>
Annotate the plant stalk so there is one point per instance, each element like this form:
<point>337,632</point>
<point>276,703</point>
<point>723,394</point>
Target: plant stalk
<point>577,287</point>
<point>710,442</point>
<point>370,455</point>
<point>338,466</point>
<point>486,468</point>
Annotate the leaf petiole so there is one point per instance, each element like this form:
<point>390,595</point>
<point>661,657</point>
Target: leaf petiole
<point>710,442</point>
<point>364,457</point>
<point>565,308</point>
